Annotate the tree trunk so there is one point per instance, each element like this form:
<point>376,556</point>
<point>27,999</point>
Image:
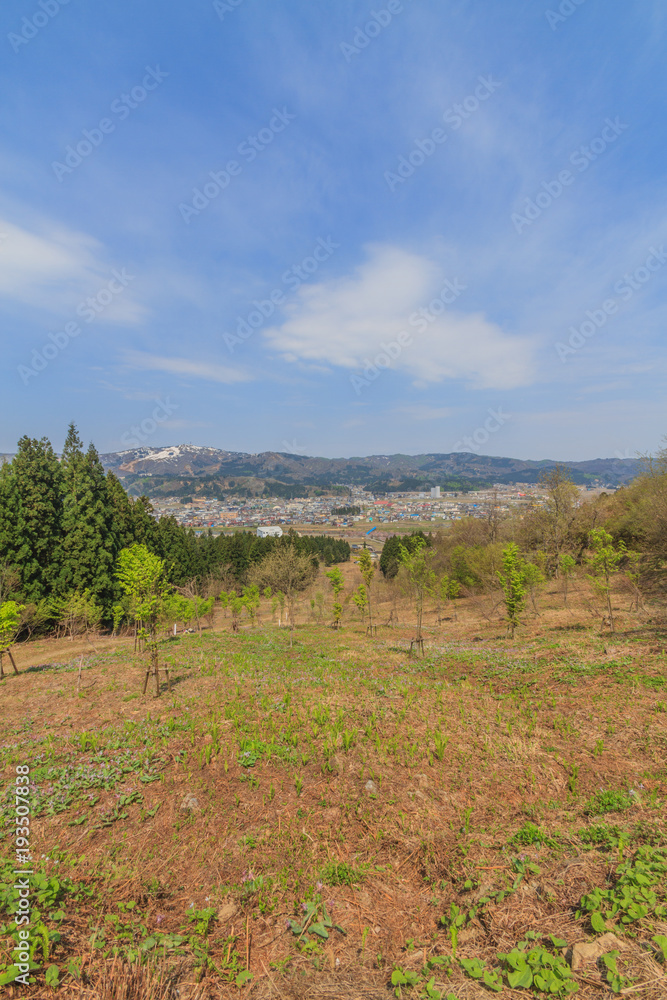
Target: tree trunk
<point>611,613</point>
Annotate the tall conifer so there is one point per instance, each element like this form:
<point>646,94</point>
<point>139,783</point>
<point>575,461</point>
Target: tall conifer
<point>32,533</point>
<point>87,550</point>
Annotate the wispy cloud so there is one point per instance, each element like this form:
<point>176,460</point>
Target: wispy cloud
<point>186,367</point>
<point>426,412</point>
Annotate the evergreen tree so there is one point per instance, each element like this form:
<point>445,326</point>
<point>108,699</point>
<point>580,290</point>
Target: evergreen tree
<point>10,577</point>
<point>390,557</point>
<point>88,546</point>
<point>178,548</point>
<point>121,512</point>
<point>30,523</point>
<point>144,525</point>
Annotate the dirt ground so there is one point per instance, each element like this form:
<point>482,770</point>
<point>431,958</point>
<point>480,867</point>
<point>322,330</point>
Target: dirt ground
<point>312,819</point>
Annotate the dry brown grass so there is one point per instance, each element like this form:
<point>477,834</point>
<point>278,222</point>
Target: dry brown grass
<point>535,727</point>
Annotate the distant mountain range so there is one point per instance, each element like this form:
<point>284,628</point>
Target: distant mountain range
<point>190,469</point>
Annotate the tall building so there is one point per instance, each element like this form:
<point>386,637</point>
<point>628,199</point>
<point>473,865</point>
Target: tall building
<point>435,493</point>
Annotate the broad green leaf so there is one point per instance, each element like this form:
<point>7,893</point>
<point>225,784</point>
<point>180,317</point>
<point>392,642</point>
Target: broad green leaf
<point>493,981</point>
<point>523,978</point>
<point>661,941</point>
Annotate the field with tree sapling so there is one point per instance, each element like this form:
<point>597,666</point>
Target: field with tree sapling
<point>439,777</point>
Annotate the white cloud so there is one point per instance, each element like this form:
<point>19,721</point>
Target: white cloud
<point>54,268</point>
<point>187,367</point>
<point>347,320</point>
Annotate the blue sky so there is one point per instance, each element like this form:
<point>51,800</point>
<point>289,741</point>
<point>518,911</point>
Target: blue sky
<point>335,228</point>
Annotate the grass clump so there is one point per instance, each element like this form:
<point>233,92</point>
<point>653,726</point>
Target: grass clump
<point>607,801</point>
<point>341,873</point>
<point>602,836</point>
<point>530,834</point>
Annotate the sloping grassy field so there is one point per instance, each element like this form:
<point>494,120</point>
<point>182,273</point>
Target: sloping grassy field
<point>340,819</point>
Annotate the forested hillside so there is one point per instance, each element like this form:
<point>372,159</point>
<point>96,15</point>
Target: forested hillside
<point>64,522</point>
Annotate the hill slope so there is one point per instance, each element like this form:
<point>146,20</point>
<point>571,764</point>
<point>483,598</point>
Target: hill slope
<point>227,471</point>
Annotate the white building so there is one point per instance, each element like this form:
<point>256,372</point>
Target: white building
<point>270,530</point>
<point>435,493</point>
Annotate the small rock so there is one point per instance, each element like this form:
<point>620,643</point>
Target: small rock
<point>336,764</point>
<point>190,803</point>
<point>590,951</point>
<point>371,788</point>
<point>226,912</point>
<point>423,780</point>
<point>331,816</point>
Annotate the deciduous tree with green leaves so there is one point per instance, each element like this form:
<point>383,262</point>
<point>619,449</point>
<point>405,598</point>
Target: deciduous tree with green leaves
<point>558,514</point>
<point>532,577</point>
<point>10,622</point>
<point>142,577</point>
<point>284,569</point>
<point>360,598</point>
<point>567,564</point>
<point>419,576</point>
<point>367,570</point>
<point>77,613</point>
<point>448,589</point>
<point>633,575</point>
<point>513,582</point>
<point>251,600</point>
<point>337,581</point>
<point>604,561</point>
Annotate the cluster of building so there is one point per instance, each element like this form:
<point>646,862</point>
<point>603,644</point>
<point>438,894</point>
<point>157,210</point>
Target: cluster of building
<point>272,516</point>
